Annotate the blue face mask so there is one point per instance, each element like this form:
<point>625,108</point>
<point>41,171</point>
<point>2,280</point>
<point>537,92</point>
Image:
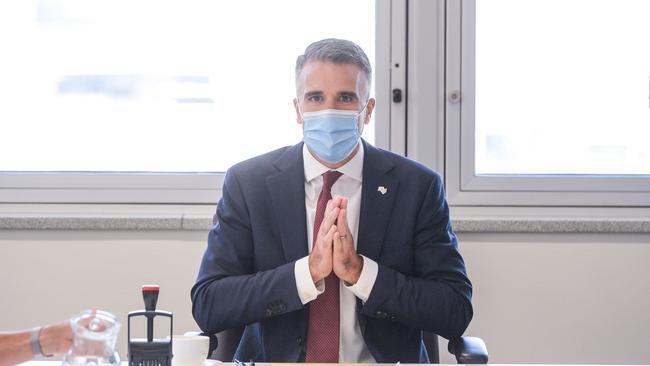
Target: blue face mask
<point>332,134</point>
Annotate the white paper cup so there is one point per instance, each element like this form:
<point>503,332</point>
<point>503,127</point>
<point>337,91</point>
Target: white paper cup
<point>189,350</point>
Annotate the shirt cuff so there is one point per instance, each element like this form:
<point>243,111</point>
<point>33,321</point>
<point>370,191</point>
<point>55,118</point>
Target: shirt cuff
<point>307,290</point>
<point>366,282</point>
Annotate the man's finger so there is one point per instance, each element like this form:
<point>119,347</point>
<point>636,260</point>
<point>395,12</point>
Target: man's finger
<point>342,222</point>
<point>344,203</point>
<point>336,201</point>
<point>325,235</point>
<point>329,236</point>
<point>329,220</point>
<point>339,247</point>
<point>331,205</point>
<point>328,206</point>
<point>324,244</point>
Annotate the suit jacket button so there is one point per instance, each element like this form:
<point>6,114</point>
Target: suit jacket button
<point>393,317</point>
<point>269,312</point>
<point>381,314</point>
<point>299,341</point>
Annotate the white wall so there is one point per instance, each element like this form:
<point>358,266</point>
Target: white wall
<point>50,275</point>
<point>562,298</point>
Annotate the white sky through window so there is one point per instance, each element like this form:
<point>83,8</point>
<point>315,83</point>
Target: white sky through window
<point>173,86</point>
<point>562,87</point>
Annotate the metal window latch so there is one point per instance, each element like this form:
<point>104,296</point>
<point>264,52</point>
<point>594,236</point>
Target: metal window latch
<point>397,95</point>
<point>454,96</point>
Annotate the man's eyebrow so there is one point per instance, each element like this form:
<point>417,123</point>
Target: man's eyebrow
<point>313,93</point>
<point>349,94</point>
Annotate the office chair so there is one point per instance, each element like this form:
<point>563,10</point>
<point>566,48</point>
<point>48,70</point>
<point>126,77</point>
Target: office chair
<point>467,350</point>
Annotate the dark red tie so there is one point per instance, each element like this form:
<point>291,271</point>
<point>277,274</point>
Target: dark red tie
<point>323,331</point>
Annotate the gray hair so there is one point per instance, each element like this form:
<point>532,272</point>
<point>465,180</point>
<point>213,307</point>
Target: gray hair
<point>338,51</point>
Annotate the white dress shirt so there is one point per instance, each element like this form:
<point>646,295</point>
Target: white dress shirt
<point>352,347</point>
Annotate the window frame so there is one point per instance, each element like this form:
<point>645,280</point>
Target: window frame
<point>109,187</point>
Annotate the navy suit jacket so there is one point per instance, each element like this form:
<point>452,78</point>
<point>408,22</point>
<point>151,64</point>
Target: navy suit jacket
<point>247,272</point>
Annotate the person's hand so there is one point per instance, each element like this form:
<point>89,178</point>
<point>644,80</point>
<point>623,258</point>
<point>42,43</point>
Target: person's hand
<point>56,338</point>
<point>346,264</point>
<point>320,259</point>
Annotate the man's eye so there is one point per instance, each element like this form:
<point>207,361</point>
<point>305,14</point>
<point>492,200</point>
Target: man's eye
<point>315,98</point>
<point>346,99</point>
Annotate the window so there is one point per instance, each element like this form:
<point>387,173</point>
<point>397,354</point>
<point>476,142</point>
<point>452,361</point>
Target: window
<point>516,103</point>
<point>548,103</point>
<point>147,101</point>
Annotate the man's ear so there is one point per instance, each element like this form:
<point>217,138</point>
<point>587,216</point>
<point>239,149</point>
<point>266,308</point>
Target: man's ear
<point>369,109</point>
<point>296,106</point>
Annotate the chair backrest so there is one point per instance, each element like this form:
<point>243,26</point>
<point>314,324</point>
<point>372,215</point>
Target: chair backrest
<point>228,340</point>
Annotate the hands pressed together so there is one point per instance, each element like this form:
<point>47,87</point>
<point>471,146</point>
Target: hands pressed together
<point>333,248</point>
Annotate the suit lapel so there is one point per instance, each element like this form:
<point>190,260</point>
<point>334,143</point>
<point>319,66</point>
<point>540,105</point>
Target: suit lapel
<point>287,192</point>
<point>379,190</point>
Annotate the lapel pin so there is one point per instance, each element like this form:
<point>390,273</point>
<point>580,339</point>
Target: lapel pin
<point>382,189</point>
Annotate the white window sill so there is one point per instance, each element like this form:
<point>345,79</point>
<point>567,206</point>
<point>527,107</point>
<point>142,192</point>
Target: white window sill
<point>105,217</point>
<point>551,219</point>
<point>199,217</point>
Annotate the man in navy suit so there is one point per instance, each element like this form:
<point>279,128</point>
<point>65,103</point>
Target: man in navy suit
<point>332,250</point>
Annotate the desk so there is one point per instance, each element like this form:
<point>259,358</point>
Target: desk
<point>219,363</point>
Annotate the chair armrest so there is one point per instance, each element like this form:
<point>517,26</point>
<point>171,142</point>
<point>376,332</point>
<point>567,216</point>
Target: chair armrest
<point>468,350</point>
<point>214,342</point>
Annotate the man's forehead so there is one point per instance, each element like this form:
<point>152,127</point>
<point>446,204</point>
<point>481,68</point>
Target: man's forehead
<point>342,72</point>
<point>318,75</point>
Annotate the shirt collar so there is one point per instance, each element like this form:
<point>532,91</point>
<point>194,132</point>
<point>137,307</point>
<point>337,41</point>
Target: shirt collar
<point>352,169</point>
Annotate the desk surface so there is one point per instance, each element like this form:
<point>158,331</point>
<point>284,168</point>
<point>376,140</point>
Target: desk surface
<point>219,363</point>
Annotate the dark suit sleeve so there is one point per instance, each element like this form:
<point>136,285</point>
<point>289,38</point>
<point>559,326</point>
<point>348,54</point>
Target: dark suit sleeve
<point>229,291</point>
<point>436,297</point>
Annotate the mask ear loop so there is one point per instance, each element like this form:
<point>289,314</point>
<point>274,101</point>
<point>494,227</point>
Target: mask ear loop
<point>364,107</point>
<point>365,115</point>
<point>302,117</point>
